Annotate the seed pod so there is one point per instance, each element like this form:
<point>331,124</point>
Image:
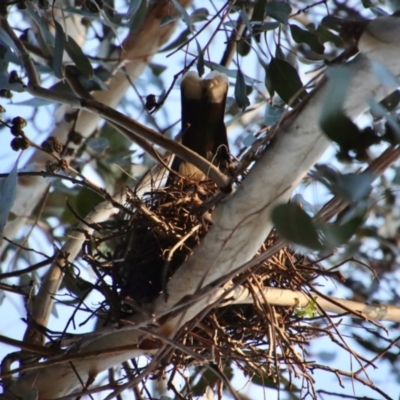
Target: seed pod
<point>52,144</point>
<point>19,122</point>
<point>19,143</point>
<point>17,131</point>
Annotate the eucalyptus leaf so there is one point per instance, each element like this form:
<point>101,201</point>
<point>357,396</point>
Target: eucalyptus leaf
<point>132,9</point>
<point>181,39</point>
<point>240,91</point>
<point>295,225</point>
<point>259,27</point>
<point>59,47</point>
<point>185,15</point>
<point>79,58</point>
<point>6,40</point>
<point>259,11</point>
<point>286,81</point>
<point>34,102</point>
<point>199,15</point>
<point>327,36</point>
<point>278,10</point>
<point>338,235</point>
<point>41,23</point>
<point>302,36</point>
<point>8,192</point>
<point>139,16</point>
<point>336,125</point>
<point>232,73</point>
<point>200,60</point>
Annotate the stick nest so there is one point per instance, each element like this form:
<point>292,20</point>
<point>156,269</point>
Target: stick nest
<point>149,240</point>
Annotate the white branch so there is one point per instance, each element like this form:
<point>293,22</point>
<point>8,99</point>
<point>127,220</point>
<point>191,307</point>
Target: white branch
<point>296,299</point>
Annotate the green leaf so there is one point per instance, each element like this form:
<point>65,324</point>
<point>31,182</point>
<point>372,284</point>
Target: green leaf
<point>240,91</point>
<point>132,9</point>
<point>79,58</point>
<point>286,81</point>
<point>95,83</point>
<point>309,311</point>
<point>259,27</point>
<point>59,47</point>
<point>327,36</point>
<point>351,187</point>
<point>295,225</point>
<point>46,35</point>
<point>138,16</point>
<point>232,73</point>
<point>157,69</point>
<point>337,235</point>
<point>268,81</point>
<point>200,60</point>
<point>76,285</point>
<point>199,15</point>
<point>181,39</point>
<point>259,11</point>
<point>302,36</point>
<point>278,10</point>
<point>86,200</point>
<point>7,41</point>
<point>185,15</point>
<point>34,102</point>
<point>367,3</point>
<point>8,192</point>
<point>117,143</point>
<point>244,46</point>
<point>331,22</point>
<point>279,53</point>
<point>354,187</point>
<point>336,125</point>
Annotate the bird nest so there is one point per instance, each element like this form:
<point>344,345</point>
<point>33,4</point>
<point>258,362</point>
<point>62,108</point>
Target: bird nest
<point>145,244</point>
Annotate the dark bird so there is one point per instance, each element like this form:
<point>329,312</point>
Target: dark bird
<point>203,128</point>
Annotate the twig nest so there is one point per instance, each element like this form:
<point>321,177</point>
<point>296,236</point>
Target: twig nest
<point>156,235</point>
